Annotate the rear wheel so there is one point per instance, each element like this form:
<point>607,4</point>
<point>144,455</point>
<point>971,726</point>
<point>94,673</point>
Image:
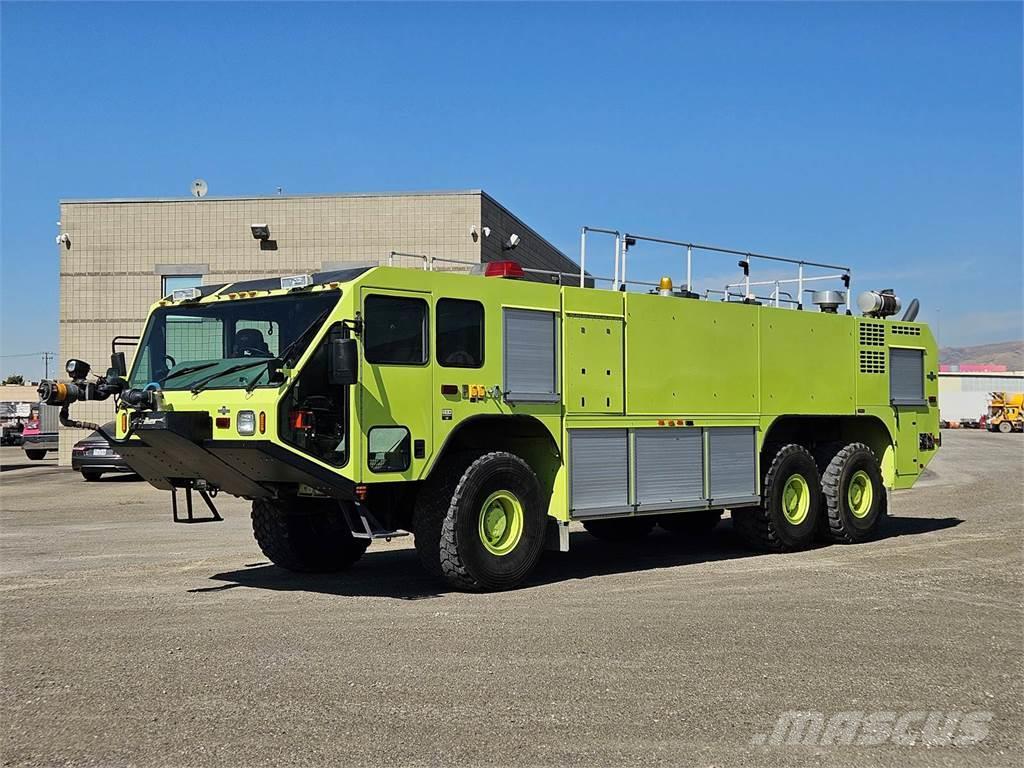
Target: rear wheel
<point>91,475</point>
<point>620,530</point>
<point>790,507</point>
<point>36,455</point>
<point>855,501</point>
<point>305,535</point>
<point>493,531</point>
<point>691,523</point>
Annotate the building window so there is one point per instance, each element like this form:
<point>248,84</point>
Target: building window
<point>171,283</point>
<point>460,333</point>
<point>395,330</point>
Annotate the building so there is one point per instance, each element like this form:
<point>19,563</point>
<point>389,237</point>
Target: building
<point>964,394</point>
<point>117,257</point>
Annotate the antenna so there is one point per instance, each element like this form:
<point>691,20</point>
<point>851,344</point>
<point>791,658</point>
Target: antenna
<point>199,188</point>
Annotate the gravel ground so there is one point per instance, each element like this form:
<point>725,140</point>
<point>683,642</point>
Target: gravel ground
<point>127,640</point>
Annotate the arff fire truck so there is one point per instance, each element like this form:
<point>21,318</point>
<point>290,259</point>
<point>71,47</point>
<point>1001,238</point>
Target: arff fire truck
<point>483,413</point>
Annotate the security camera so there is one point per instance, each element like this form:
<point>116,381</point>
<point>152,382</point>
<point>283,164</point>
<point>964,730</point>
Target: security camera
<point>65,240</point>
<point>513,241</point>
<point>260,231</point>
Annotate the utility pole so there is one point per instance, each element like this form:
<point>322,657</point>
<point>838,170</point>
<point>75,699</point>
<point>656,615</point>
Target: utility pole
<point>47,357</point>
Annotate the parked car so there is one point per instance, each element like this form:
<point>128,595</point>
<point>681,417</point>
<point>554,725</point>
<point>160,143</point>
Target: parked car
<point>35,442</point>
<point>93,456</point>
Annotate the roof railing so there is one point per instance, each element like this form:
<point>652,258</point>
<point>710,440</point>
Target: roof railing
<point>625,240</point>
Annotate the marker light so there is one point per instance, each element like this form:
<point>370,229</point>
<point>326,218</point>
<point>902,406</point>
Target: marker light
<point>296,281</point>
<point>510,269</point>
<point>245,422</point>
<point>186,294</point>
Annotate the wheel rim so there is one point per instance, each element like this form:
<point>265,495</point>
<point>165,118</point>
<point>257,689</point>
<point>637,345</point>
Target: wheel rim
<point>501,523</point>
<point>860,494</point>
<point>796,499</point>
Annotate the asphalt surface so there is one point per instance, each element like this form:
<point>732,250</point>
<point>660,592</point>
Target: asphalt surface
<point>128,640</point>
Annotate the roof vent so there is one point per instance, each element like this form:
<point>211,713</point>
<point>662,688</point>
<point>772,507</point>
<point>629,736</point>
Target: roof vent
<point>828,301</point>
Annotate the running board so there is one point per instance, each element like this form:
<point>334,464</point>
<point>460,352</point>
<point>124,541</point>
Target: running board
<point>364,525</point>
<point>190,518</point>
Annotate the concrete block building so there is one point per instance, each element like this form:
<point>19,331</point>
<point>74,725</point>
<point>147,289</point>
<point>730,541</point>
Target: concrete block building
<point>117,257</point>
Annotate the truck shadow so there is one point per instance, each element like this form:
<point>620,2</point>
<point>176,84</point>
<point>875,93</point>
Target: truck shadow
<point>397,573</point>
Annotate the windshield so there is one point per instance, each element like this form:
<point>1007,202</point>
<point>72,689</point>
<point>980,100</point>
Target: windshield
<point>223,344</point>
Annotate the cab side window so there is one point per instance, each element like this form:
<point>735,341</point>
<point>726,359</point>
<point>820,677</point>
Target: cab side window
<point>395,330</point>
<point>460,333</point>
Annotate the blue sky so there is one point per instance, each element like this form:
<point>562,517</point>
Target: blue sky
<point>884,136</point>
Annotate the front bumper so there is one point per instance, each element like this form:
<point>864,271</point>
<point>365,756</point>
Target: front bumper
<point>175,449</point>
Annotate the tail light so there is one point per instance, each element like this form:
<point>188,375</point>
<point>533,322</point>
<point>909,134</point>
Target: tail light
<point>301,419</point>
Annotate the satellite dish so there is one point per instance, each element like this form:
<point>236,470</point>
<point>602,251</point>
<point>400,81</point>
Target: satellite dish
<point>199,188</point>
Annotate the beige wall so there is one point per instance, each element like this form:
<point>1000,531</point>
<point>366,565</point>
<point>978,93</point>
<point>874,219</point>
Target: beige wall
<point>111,274</point>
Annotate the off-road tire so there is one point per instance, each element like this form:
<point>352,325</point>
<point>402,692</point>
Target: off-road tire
<point>465,563</point>
<point>305,535</point>
<point>91,476</point>
<point>431,507</point>
<point>620,530</point>
<point>840,524</point>
<point>691,524</point>
<point>36,455</point>
<point>765,527</point>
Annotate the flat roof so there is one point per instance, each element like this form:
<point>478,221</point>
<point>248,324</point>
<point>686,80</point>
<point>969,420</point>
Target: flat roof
<point>314,196</point>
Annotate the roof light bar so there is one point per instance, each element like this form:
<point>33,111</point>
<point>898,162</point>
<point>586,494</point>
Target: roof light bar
<point>509,269</point>
<point>186,294</point>
<point>296,281</point>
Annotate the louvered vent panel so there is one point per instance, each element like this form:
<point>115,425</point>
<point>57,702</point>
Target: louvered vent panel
<point>872,335</point>
<point>905,330</point>
<point>872,361</point>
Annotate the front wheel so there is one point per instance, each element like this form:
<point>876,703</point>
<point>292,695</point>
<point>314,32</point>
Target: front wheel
<point>493,531</point>
<point>305,535</point>
<point>1005,427</point>
<point>91,475</point>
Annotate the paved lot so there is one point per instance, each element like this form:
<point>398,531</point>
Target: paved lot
<point>129,640</point>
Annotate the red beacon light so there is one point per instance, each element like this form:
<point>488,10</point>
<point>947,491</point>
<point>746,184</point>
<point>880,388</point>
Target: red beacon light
<point>509,269</point>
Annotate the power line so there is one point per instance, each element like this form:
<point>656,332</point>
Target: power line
<point>28,354</point>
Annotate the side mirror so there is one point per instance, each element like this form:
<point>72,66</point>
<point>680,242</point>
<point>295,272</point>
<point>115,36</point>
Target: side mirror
<point>343,361</point>
<point>118,364</point>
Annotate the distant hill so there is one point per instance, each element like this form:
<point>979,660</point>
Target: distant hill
<point>1008,353</point>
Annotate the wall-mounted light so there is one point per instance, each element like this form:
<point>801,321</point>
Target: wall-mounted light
<point>260,231</point>
<point>64,240</point>
<point>512,244</point>
<point>475,233</point>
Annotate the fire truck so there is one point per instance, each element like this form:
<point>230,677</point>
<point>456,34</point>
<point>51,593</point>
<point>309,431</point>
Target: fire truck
<point>485,413</point>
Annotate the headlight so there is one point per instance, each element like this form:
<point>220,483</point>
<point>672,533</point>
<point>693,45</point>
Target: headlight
<point>246,422</point>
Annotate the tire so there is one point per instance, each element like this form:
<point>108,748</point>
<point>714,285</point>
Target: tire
<point>620,530</point>
<point>91,476</point>
<point>855,501</point>
<point>431,507</point>
<point>791,504</point>
<point>35,455</point>
<point>305,535</point>
<point>493,531</point>
<point>691,523</point>
<point>1005,427</point>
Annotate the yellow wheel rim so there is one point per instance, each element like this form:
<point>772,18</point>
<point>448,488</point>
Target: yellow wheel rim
<point>501,523</point>
<point>796,499</point>
<point>860,494</point>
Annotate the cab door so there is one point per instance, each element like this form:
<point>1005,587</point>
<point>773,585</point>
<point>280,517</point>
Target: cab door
<point>396,389</point>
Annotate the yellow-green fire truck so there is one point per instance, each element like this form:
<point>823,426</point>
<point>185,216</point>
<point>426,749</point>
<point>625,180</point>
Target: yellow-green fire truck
<point>484,413</point>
